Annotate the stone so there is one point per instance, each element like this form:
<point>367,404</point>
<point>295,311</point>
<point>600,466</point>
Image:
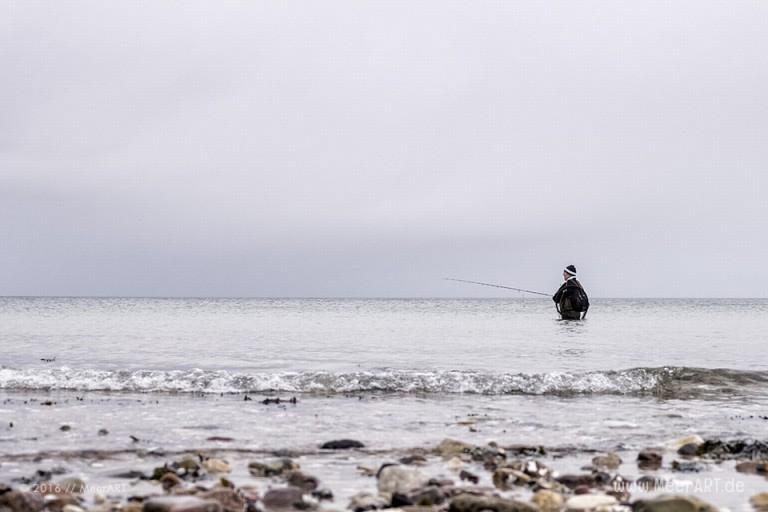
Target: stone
<point>19,501</point>
<point>449,448</point>
<point>307,483</point>
<point>466,476</point>
<point>364,501</point>
<point>72,508</point>
<point>180,504</point>
<point>548,501</point>
<point>649,459</point>
<point>399,479</point>
<point>470,503</point>
<point>277,468</point>
<point>413,460</point>
<point>759,502</point>
<point>690,466</point>
<point>342,444</point>
<point>285,498</point>
<point>216,466</point>
<point>650,483</point>
<point>505,478</point>
<point>574,481</point>
<point>753,467</point>
<point>672,504</point>
<point>229,499</point>
<point>589,502</point>
<point>455,464</point>
<point>676,444</point>
<point>608,461</point>
<point>170,480</point>
<point>429,496</point>
<point>739,449</point>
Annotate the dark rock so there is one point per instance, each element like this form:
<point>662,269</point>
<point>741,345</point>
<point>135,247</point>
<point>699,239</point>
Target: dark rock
<point>688,450</point>
<point>470,503</point>
<point>65,428</point>
<point>466,476</point>
<point>650,483</point>
<point>429,496</point>
<point>649,459</point>
<point>307,483</point>
<point>19,501</point>
<point>582,489</point>
<point>180,504</point>
<point>342,444</point>
<point>130,473</point>
<point>738,449</point>
<point>322,494</point>
<point>103,432</point>
<point>220,439</point>
<point>400,500</point>
<point>413,460</point>
<point>672,504</point>
<point>170,480</point>
<point>285,498</point>
<point>574,481</point>
<point>687,466</point>
<point>365,501</point>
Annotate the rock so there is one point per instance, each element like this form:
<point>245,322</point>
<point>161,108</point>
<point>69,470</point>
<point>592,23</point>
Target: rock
<point>753,467</point>
<point>364,501</point>
<point>740,449</point>
<point>589,502</point>
<point>65,428</point>
<point>285,498</point>
<point>429,496</point>
<point>307,483</point>
<point>672,504</point>
<point>548,501</point>
<point>759,502</point>
<point>277,468</point>
<point>466,476</point>
<point>19,501</point>
<point>399,479</point>
<point>216,466</point>
<point>342,444</point>
<point>129,473</point>
<point>469,503</point>
<point>608,461</point>
<point>649,459</point>
<point>676,444</point>
<point>455,464</point>
<point>103,432</point>
<point>505,478</point>
<point>574,481</point>
<point>170,480</point>
<point>229,499</point>
<point>688,466</point>
<point>180,504</point>
<point>688,450</point>
<point>413,460</point>
<point>449,448</point>
<point>322,494</point>
<point>72,508</point>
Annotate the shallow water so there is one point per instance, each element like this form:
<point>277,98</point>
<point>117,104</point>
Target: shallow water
<point>395,374</point>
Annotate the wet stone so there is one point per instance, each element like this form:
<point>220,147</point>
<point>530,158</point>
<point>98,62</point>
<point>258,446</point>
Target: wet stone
<point>672,504</point>
<point>471,503</point>
<point>608,461</point>
<point>180,504</point>
<point>649,459</point>
<point>342,444</point>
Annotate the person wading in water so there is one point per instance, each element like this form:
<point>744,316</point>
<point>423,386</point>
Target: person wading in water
<point>570,299</point>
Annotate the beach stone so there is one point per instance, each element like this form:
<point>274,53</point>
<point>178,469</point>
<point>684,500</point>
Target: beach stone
<point>399,479</point>
<point>72,508</point>
<point>285,498</point>
<point>650,483</point>
<point>649,459</point>
<point>465,475</point>
<point>180,504</point>
<point>364,501</point>
<point>342,444</point>
<point>505,478</point>
<point>277,468</point>
<point>589,502</point>
<point>608,461</point>
<point>470,503</point>
<point>688,450</point>
<point>413,460</point>
<point>548,501</point>
<point>759,502</point>
<point>19,501</point>
<point>739,449</point>
<point>574,481</point>
<point>449,448</point>
<point>688,466</point>
<point>170,480</point>
<point>753,467</point>
<point>305,482</point>
<point>676,444</point>
<point>672,504</point>
<point>455,464</point>
<point>216,466</point>
<point>429,496</point>
<point>229,499</point>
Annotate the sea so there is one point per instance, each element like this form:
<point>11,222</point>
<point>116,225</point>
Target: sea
<point>181,374</point>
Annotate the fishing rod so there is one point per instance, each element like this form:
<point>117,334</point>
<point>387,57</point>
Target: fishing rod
<point>495,286</point>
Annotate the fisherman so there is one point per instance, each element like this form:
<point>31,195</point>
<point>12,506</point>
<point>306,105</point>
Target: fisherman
<point>570,299</point>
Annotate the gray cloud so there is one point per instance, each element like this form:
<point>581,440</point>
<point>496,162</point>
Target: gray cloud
<point>370,148</point>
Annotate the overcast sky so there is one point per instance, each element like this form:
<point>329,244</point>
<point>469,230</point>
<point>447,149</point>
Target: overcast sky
<point>358,148</point>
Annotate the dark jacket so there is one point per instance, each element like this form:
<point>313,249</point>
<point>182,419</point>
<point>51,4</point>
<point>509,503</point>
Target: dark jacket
<point>565,294</point>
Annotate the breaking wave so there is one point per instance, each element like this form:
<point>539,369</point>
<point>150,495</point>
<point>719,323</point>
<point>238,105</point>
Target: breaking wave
<point>677,382</point>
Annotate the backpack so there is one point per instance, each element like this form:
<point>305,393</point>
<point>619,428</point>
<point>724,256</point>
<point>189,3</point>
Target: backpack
<point>579,300</point>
